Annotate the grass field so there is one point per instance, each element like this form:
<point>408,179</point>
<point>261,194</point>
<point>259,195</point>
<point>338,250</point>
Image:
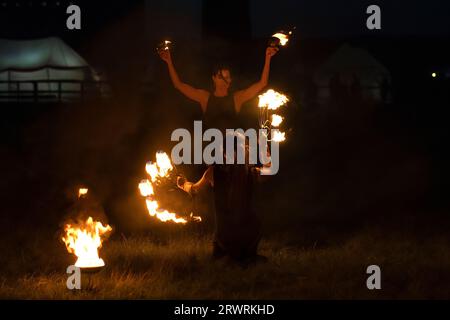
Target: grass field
<point>180,267</point>
<point>340,169</point>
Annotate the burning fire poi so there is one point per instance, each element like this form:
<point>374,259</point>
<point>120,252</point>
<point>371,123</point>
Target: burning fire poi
<point>84,239</point>
<point>165,45</point>
<point>82,192</point>
<point>271,100</point>
<point>158,171</point>
<point>276,120</point>
<point>278,136</point>
<point>280,38</point>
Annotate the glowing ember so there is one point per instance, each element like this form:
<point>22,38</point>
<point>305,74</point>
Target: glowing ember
<point>84,240</point>
<point>276,120</point>
<point>195,218</point>
<point>272,100</point>
<point>159,170</point>
<point>282,37</point>
<point>82,192</point>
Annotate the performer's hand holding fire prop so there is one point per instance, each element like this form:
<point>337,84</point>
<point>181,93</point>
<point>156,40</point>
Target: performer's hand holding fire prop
<point>271,51</point>
<point>163,50</point>
<point>280,39</point>
<point>271,101</point>
<point>164,46</point>
<point>193,188</point>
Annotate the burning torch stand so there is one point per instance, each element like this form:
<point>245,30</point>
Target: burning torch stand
<point>89,273</point>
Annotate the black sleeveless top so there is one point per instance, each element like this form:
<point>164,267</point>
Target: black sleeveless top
<point>237,225</point>
<point>220,113</point>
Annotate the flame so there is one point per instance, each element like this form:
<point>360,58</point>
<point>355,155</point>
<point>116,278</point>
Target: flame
<point>167,43</point>
<point>82,192</point>
<point>278,136</point>
<point>282,37</point>
<point>161,168</point>
<point>146,188</point>
<point>272,100</point>
<point>152,170</point>
<point>157,170</point>
<point>276,120</point>
<point>163,163</point>
<point>84,239</point>
<point>161,214</point>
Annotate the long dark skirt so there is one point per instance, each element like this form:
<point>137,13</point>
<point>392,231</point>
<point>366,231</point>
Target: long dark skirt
<point>237,225</point>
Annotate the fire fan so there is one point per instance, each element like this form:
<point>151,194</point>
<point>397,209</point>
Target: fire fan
<point>162,179</point>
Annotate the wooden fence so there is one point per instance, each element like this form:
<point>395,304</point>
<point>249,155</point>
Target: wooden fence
<point>52,90</point>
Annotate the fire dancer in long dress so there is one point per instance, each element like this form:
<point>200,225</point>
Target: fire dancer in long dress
<point>237,225</point>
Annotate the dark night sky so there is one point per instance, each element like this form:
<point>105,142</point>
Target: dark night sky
<point>337,17</point>
<point>330,17</point>
<point>312,17</point>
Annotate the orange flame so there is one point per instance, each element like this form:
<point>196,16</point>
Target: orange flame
<point>167,43</point>
<point>161,169</point>
<point>82,192</point>
<point>278,136</point>
<point>272,100</point>
<point>84,240</point>
<point>276,120</point>
<point>283,37</point>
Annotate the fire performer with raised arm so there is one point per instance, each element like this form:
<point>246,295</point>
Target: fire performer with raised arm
<point>237,225</point>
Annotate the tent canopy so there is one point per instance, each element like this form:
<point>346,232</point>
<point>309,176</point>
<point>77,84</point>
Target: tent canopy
<point>29,55</point>
<point>350,65</point>
<point>44,67</point>
<point>349,62</point>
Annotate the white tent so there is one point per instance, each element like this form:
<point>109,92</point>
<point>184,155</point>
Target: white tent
<point>44,61</point>
<point>349,64</point>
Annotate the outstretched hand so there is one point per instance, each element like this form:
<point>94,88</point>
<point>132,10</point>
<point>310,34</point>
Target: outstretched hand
<point>164,54</point>
<point>271,51</point>
<point>184,185</point>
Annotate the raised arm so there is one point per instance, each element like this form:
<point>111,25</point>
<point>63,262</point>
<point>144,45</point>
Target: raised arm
<point>242,96</point>
<point>199,95</point>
